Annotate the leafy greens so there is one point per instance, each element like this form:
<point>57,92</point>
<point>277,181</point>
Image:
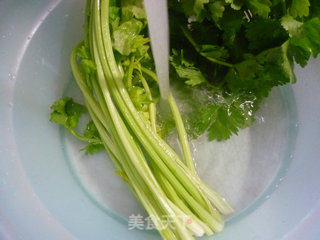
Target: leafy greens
<point>243,48</point>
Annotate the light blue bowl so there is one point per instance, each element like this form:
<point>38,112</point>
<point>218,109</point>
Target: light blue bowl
<point>51,190</point>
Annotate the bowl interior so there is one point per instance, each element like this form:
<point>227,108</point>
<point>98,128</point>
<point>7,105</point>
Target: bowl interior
<point>84,194</point>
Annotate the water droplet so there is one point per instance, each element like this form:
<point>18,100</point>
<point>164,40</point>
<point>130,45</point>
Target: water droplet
<point>67,15</point>
<point>11,76</point>
<point>191,19</point>
<point>291,156</point>
<point>3,36</point>
<point>10,104</point>
<point>267,197</point>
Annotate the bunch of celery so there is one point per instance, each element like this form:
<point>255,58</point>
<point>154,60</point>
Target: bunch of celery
<point>114,72</point>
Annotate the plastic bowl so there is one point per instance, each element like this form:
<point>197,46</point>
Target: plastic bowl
<point>51,190</point>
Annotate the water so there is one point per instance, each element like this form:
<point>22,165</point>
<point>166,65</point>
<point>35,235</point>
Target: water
<point>157,15</point>
<point>241,169</point>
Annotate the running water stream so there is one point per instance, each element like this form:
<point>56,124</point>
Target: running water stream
<point>157,16</point>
